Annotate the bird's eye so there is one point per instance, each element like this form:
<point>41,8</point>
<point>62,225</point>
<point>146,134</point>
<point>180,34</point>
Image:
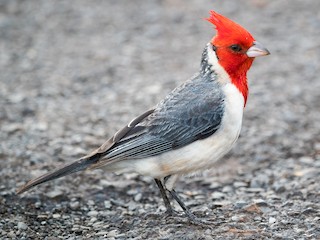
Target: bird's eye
<point>236,48</point>
<point>214,48</point>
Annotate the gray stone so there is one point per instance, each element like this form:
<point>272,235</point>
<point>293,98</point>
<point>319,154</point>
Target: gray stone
<point>74,205</point>
<point>56,215</point>
<point>22,226</point>
<point>92,213</point>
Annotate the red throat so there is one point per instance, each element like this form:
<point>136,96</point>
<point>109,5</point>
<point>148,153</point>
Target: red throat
<point>239,76</point>
<point>242,85</point>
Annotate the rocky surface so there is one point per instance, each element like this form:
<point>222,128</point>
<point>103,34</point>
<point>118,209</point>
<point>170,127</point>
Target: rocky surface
<point>73,72</point>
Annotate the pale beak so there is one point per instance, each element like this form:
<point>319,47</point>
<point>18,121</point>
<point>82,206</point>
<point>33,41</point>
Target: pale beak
<point>257,50</point>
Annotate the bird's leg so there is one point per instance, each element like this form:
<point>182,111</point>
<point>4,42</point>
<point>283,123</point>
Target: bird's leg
<point>189,214</point>
<point>164,197</point>
<point>170,211</point>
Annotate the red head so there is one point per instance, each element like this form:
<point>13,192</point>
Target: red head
<point>235,49</point>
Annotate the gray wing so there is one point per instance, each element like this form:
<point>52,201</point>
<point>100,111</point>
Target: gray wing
<point>191,112</point>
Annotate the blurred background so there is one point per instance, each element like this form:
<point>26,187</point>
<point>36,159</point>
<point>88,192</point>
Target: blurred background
<point>73,72</point>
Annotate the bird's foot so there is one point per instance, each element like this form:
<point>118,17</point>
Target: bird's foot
<point>171,213</point>
<point>200,222</point>
<point>197,221</point>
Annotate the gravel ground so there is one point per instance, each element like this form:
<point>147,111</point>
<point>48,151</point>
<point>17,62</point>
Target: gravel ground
<point>73,72</point>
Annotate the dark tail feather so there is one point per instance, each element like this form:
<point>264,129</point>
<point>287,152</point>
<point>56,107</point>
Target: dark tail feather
<point>76,166</point>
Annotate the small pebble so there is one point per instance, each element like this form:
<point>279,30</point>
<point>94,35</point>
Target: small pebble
<point>279,188</point>
<point>112,233</point>
<point>221,203</point>
<point>102,233</point>
<point>22,226</point>
<point>226,189</point>
<point>93,213</point>
<point>42,216</point>
<point>272,220</point>
<point>235,218</point>
<point>254,190</point>
<point>240,204</point>
<point>37,204</point>
<point>260,202</point>
<point>214,185</point>
<point>306,160</point>
<point>11,234</point>
<point>132,205</point>
<point>56,215</point>
<point>217,195</point>
<point>98,224</point>
<point>107,204</point>
<point>239,184</point>
<point>257,218</point>
<point>54,194</point>
<point>74,205</point>
<point>138,197</point>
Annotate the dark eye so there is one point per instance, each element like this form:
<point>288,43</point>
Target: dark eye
<point>236,48</point>
<point>214,48</point>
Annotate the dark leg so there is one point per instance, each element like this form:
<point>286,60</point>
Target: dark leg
<point>164,197</point>
<point>189,214</point>
<point>182,205</point>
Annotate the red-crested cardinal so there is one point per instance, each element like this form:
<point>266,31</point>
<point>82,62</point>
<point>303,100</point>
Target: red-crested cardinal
<point>191,128</point>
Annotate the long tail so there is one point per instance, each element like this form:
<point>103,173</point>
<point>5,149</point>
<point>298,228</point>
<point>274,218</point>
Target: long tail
<point>79,165</point>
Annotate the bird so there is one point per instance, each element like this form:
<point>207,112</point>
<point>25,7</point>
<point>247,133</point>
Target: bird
<point>188,131</point>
